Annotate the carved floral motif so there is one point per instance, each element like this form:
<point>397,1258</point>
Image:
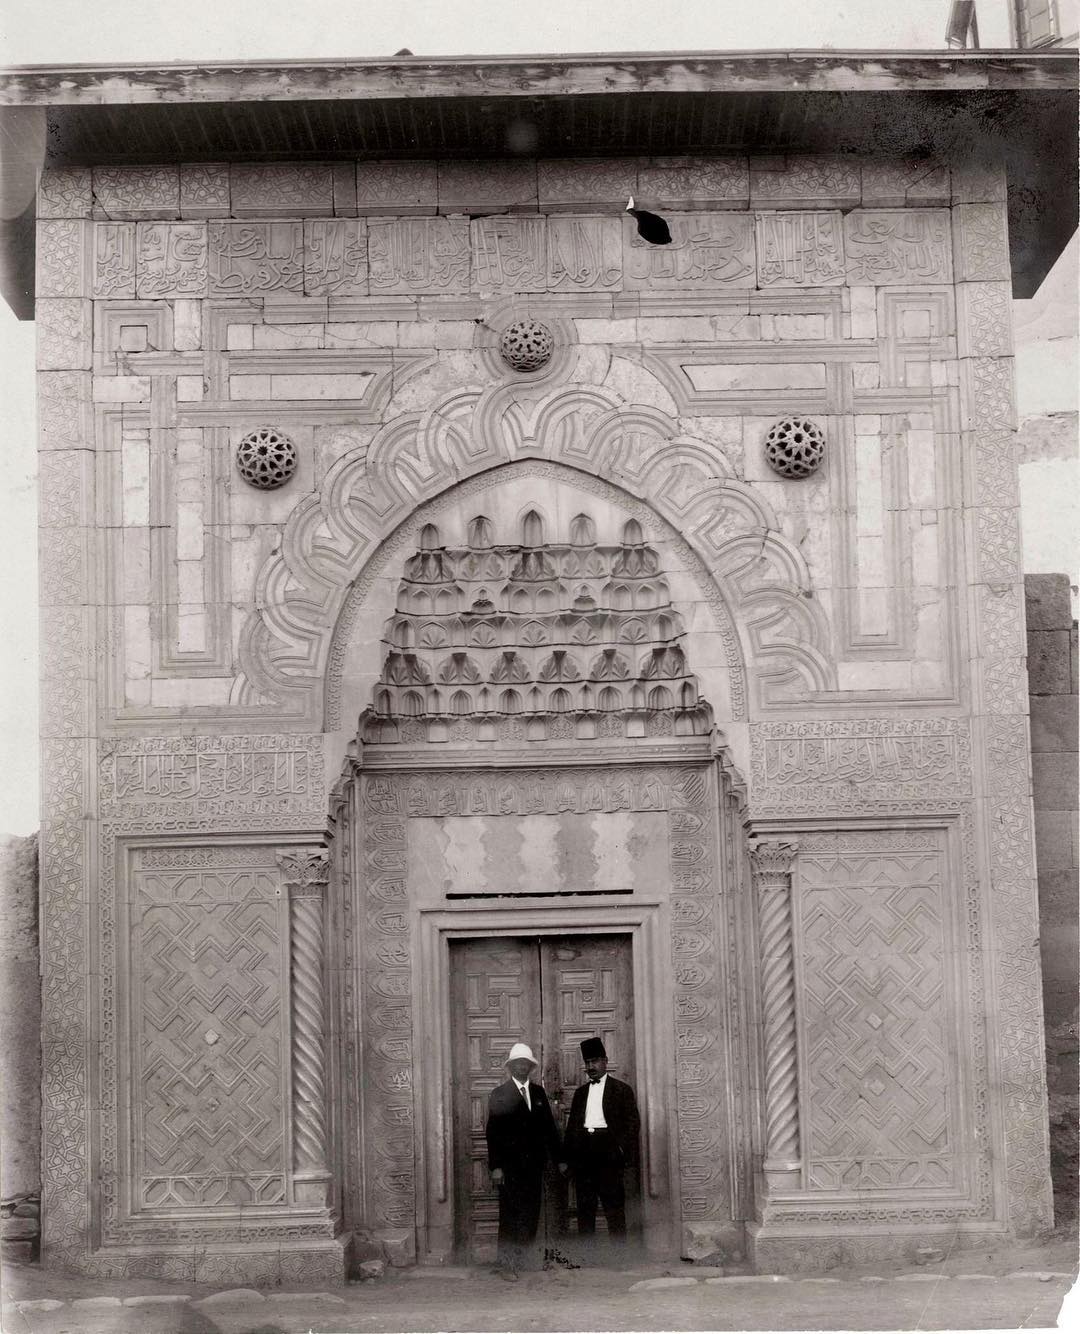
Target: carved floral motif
<point>62,259</point>
<point>278,189</point>
<point>63,406</point>
<point>63,326</point>
<point>65,192</point>
<point>204,190</point>
<point>386,188</point>
<point>982,243</point>
<point>137,192</point>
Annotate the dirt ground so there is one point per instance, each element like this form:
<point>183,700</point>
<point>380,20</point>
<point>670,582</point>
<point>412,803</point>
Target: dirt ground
<point>993,1288</point>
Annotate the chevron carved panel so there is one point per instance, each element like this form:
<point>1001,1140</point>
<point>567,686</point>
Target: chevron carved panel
<point>879,1043</point>
<point>208,1050</point>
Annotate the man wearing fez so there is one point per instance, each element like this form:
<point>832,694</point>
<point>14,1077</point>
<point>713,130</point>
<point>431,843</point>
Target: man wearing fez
<point>602,1143</point>
<point>521,1136</point>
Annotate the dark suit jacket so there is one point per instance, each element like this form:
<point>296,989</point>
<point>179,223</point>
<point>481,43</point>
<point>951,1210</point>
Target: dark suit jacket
<point>520,1139</point>
<point>620,1112</point>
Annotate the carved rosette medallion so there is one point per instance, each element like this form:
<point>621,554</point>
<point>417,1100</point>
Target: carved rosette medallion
<point>794,447</point>
<point>771,866</point>
<point>305,873</point>
<point>526,345</point>
<point>266,458</point>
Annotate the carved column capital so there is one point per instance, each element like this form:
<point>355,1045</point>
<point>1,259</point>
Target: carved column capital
<point>771,863</point>
<point>305,871</point>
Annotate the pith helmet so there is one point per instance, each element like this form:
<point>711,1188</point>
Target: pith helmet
<point>520,1052</point>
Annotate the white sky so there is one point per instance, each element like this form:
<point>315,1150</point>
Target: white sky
<point>62,32</point>
<point>73,31</point>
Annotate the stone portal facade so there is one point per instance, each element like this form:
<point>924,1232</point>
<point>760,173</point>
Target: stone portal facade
<point>426,556</point>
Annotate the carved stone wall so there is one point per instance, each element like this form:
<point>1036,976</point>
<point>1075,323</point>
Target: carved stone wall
<point>209,646</point>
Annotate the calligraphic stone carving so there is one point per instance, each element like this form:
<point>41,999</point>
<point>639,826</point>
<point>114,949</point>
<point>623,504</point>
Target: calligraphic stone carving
<point>419,255</point>
<point>335,257</point>
<point>796,766</point>
<point>114,259</point>
<point>887,246</point>
<point>248,258</point>
<point>799,249</point>
<point>583,254</point>
<point>171,259</point>
<point>509,254</point>
<point>708,251</point>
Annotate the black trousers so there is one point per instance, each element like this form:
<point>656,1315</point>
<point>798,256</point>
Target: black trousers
<point>520,1196</point>
<point>598,1176</point>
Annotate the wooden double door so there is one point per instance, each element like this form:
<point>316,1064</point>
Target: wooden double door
<point>550,992</point>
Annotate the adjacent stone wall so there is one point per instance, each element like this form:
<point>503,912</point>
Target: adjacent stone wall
<point>1052,674</point>
<point>20,1044</point>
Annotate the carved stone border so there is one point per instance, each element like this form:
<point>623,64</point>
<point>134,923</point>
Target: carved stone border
<point>999,693</point>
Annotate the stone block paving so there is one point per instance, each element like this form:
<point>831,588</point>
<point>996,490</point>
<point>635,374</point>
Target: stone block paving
<point>674,1297</point>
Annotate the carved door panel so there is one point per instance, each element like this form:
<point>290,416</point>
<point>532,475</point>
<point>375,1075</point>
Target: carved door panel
<point>550,992</point>
<point>587,992</point>
<point>495,1002</point>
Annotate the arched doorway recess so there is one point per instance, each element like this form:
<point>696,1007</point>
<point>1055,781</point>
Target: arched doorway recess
<point>538,762</point>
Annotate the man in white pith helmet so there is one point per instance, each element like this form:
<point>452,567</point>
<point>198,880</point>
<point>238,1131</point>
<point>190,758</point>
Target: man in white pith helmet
<point>521,1136</point>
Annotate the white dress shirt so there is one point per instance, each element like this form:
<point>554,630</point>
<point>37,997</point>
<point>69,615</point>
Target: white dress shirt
<point>594,1106</point>
<point>524,1090</point>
